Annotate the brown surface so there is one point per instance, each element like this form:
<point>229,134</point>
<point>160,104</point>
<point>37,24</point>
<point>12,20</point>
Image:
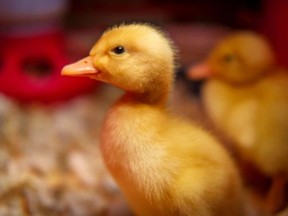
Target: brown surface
<point>50,162</point>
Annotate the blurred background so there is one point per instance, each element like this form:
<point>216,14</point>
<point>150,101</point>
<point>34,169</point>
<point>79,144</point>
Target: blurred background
<point>49,125</point>
<point>39,37</point>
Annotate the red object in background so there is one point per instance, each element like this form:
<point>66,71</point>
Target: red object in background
<point>30,69</point>
<point>275,27</point>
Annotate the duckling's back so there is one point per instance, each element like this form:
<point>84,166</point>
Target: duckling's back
<point>206,168</point>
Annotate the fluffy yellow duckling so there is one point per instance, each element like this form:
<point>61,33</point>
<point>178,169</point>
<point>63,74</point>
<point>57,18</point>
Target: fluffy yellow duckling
<point>247,98</point>
<point>163,165</point>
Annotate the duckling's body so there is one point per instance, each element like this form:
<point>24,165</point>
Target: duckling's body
<point>169,167</point>
<point>254,115</point>
<point>247,98</point>
<point>163,165</point>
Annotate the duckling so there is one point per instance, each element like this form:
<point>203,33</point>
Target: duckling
<point>162,164</point>
<point>246,96</point>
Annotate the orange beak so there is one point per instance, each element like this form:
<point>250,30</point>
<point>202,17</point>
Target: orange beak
<point>200,71</point>
<point>83,67</point>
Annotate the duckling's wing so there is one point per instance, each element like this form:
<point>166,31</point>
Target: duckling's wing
<point>271,151</point>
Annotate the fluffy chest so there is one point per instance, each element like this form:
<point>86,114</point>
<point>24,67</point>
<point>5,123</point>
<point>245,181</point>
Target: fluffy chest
<point>134,151</point>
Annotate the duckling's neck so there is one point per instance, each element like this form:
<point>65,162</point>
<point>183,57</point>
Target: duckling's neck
<point>154,94</point>
<point>157,99</point>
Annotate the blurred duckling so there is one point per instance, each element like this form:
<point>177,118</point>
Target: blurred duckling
<point>164,165</point>
<point>246,97</point>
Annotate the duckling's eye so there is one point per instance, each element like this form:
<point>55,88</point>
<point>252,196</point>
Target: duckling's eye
<point>118,50</point>
<point>228,58</point>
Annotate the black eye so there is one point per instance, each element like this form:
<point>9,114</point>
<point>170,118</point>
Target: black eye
<point>118,50</point>
<point>228,58</point>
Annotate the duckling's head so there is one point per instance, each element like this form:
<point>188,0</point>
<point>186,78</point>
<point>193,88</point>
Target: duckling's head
<point>239,58</point>
<point>137,58</point>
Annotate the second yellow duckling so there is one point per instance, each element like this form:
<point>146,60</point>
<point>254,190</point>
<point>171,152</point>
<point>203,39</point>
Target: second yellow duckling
<point>163,165</point>
<point>247,98</point>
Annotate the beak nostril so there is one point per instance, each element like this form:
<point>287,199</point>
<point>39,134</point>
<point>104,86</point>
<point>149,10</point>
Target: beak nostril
<point>83,67</point>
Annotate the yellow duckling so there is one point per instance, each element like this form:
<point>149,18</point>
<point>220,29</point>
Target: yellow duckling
<point>163,165</point>
<point>247,98</point>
